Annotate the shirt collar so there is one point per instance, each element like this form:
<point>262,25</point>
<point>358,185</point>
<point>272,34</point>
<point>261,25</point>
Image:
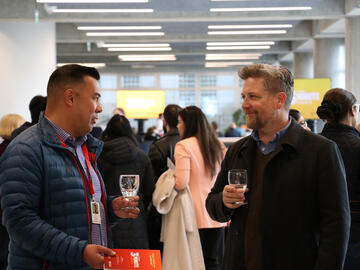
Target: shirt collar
<point>266,149</point>
<point>66,137</point>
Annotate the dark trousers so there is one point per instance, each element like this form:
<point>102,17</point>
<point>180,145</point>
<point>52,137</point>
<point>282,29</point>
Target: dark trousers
<point>352,260</point>
<point>212,243</point>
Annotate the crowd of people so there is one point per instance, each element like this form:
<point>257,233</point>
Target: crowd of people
<point>63,208</point>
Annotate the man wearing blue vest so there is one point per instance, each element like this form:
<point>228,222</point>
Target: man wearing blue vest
<point>54,203</point>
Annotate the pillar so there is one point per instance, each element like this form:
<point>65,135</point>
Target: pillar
<point>303,66</point>
<point>28,57</point>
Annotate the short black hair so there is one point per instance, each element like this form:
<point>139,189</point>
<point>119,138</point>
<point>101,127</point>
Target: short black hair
<point>171,114</point>
<point>67,74</point>
<point>37,105</point>
<point>295,114</point>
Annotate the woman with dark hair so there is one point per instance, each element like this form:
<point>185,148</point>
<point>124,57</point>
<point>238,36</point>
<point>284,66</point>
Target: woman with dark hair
<point>299,118</point>
<point>340,111</point>
<point>121,155</point>
<point>197,158</point>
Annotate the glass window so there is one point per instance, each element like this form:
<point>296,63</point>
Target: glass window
<point>108,81</point>
<point>225,80</point>
<point>169,81</point>
<point>147,81</point>
<point>187,81</point>
<point>208,80</point>
<point>187,98</point>
<point>130,82</point>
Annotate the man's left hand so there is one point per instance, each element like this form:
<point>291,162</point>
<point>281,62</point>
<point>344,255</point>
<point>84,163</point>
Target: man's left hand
<point>126,207</point>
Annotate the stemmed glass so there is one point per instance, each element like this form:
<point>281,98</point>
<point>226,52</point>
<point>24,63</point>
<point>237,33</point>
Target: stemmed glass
<point>238,179</point>
<point>129,184</point>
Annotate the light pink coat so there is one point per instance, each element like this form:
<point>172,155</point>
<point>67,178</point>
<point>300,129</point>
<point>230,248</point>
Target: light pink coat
<point>190,170</point>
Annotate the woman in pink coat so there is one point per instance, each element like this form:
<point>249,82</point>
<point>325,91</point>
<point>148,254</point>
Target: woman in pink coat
<point>197,158</point>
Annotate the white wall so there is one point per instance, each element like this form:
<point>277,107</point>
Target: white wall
<point>27,58</point>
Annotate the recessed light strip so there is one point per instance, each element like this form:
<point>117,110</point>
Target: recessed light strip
<point>254,32</point>
<point>98,10</point>
<point>260,9</point>
<point>125,34</point>
<point>90,28</point>
<point>250,26</point>
<point>226,64</point>
<point>240,43</point>
<point>138,49</point>
<point>231,56</point>
<point>95,65</point>
<point>151,57</point>
<point>136,45</point>
<point>92,1</point>
<point>218,48</point>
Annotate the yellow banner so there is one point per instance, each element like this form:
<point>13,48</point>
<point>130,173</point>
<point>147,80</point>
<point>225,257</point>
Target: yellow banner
<point>308,94</point>
<point>141,104</point>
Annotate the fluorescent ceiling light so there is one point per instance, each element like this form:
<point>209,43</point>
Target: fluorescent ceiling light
<point>101,10</point>
<point>240,43</point>
<point>218,48</point>
<point>250,26</point>
<point>253,32</point>
<point>92,1</point>
<point>125,34</point>
<point>138,49</point>
<point>95,65</point>
<point>259,9</point>
<point>150,57</point>
<point>226,64</point>
<point>142,66</point>
<point>231,56</point>
<point>119,28</point>
<point>138,45</point>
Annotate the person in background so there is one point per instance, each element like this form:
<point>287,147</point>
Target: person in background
<point>119,111</point>
<point>233,131</point>
<point>197,158</point>
<point>149,138</point>
<point>340,111</point>
<point>216,129</point>
<point>297,211</point>
<point>299,118</point>
<point>8,124</point>
<point>50,186</point>
<point>159,152</point>
<point>159,129</point>
<point>122,155</point>
<point>36,106</point>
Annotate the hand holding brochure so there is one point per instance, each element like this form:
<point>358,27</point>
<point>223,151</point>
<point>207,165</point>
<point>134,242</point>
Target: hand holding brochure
<point>132,259</point>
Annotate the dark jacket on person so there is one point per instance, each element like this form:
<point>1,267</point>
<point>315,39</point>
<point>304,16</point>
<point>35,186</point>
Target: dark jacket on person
<point>305,216</point>
<point>20,129</point>
<point>45,200</point>
<point>232,132</point>
<point>162,149</point>
<point>347,139</point>
<point>122,156</point>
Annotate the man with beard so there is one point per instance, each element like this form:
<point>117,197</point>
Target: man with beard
<point>296,211</point>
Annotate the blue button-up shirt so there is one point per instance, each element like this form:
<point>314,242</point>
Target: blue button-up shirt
<point>271,146</point>
<point>98,231</point>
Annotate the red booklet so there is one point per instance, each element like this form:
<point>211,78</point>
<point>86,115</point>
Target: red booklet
<point>133,259</point>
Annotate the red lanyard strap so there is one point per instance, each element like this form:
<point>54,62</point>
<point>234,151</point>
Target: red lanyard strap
<point>87,160</point>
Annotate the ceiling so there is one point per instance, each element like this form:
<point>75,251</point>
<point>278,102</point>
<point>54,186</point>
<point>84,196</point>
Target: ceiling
<point>184,24</point>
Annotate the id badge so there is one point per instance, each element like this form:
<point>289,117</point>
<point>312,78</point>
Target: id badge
<point>95,213</point>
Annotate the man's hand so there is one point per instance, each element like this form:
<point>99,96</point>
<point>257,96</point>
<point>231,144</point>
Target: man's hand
<point>94,255</point>
<point>232,195</point>
<point>126,207</point>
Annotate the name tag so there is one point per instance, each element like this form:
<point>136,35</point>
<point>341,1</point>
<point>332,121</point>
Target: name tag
<point>95,213</point>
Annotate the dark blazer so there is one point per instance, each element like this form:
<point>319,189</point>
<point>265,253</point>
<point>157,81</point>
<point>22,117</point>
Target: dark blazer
<point>122,156</point>
<point>347,139</point>
<point>305,218</point>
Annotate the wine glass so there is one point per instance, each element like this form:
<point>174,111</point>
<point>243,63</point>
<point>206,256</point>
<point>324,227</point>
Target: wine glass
<point>129,184</point>
<point>238,179</point>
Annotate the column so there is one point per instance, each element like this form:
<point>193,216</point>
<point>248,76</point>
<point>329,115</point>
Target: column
<point>352,45</point>
<point>28,57</point>
<point>329,60</point>
<point>303,66</point>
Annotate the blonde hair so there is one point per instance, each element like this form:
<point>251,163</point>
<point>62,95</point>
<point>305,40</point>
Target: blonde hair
<point>9,123</point>
<point>276,79</point>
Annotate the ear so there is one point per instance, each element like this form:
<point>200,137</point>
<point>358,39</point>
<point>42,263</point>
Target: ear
<point>280,101</point>
<point>352,111</point>
<point>69,97</point>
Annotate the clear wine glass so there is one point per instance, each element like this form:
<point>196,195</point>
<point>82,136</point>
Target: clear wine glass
<point>129,184</point>
<point>238,178</point>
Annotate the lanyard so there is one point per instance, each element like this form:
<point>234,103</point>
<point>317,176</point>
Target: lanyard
<point>87,160</point>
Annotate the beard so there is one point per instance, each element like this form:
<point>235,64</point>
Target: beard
<point>253,122</point>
